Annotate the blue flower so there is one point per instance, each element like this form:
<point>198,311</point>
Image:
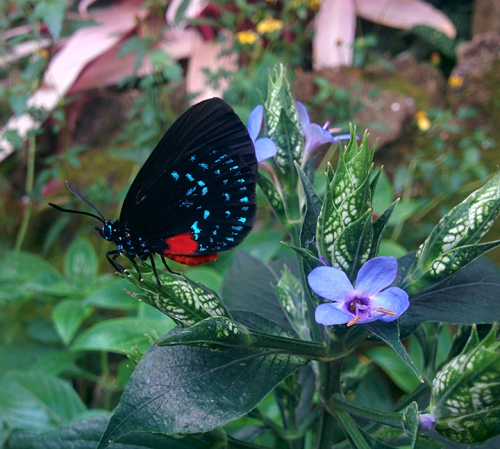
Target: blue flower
<point>264,147</point>
<point>315,135</point>
<point>370,300</point>
<point>427,422</point>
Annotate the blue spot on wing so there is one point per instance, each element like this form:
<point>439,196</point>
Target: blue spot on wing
<point>175,175</point>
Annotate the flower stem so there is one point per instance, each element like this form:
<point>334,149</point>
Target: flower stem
<point>30,175</point>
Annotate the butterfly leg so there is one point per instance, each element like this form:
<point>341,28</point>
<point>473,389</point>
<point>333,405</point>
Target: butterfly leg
<point>154,270</point>
<point>112,260</point>
<point>167,267</point>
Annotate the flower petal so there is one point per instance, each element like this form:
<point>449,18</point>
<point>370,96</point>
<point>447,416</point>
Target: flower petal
<point>330,283</point>
<point>304,119</point>
<point>264,148</point>
<point>394,299</point>
<point>316,136</point>
<point>375,275</point>
<point>328,315</point>
<point>342,137</point>
<point>255,121</point>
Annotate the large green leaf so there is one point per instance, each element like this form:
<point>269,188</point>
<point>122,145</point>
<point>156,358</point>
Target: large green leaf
<point>184,389</point>
<point>87,433</point>
<point>35,401</point>
<point>468,297</point>
<point>248,286</point>
<point>121,334</point>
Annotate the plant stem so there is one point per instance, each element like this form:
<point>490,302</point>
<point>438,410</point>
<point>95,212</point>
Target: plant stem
<point>393,419</point>
<point>30,175</point>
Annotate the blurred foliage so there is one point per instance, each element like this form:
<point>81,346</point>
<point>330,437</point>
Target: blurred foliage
<point>69,335</point>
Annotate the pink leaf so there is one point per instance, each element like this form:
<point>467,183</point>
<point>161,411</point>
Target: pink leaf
<point>405,14</point>
<point>206,55</point>
<point>335,28</point>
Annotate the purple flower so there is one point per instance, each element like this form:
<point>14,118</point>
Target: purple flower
<point>370,300</point>
<point>427,422</point>
<point>264,147</point>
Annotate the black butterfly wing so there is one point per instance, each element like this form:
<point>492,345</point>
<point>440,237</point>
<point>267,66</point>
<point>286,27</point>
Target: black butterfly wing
<point>198,182</point>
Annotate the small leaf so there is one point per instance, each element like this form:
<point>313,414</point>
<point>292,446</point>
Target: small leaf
<point>120,335</point>
<point>35,401</point>
<point>273,197</point>
<point>68,316</point>
<point>410,421</point>
<point>52,13</point>
<point>80,263</point>
<point>313,209</point>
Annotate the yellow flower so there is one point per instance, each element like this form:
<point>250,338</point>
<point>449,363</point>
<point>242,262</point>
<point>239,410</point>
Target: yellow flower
<point>247,37</point>
<point>455,81</point>
<point>314,4</point>
<point>423,121</point>
<point>269,25</point>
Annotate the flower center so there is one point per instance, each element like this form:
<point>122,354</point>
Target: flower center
<point>360,307</point>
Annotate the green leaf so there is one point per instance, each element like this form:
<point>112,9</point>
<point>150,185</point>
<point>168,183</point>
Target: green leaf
<point>468,297</point>
<point>112,296</point>
<point>410,422</point>
<point>52,14</point>
<point>392,249</point>
<point>290,293</point>
<point>25,274</point>
<point>213,333</point>
<point>389,332</point>
<point>35,401</point>
<point>313,209</point>
<point>263,244</point>
<point>183,300</point>
<point>352,247</point>
<point>80,263</point>
<point>120,335</point>
<point>439,40</point>
<point>273,197</point>
<point>54,363</point>
<point>379,226</point>
<point>87,433</point>
<point>248,286</point>
<point>191,390</point>
<point>68,316</point>
<point>392,364</point>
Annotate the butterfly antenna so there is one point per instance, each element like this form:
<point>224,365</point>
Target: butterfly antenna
<point>74,192</point>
